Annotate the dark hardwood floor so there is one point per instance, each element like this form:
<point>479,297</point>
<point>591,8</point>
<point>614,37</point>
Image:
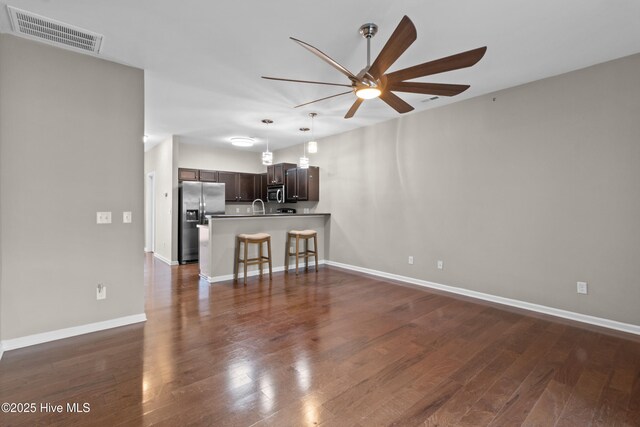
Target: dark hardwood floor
<point>331,349</point>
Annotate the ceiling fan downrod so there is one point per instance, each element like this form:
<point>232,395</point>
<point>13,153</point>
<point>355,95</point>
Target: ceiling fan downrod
<point>368,31</point>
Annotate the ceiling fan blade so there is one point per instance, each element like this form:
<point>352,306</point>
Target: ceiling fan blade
<point>395,102</point>
<point>450,63</point>
<point>326,58</point>
<point>440,89</point>
<point>353,108</point>
<point>322,99</point>
<point>403,36</point>
<point>306,81</point>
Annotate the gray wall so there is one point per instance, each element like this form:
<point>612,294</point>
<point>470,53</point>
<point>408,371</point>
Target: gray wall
<point>520,196</point>
<point>165,158</point>
<point>70,145</point>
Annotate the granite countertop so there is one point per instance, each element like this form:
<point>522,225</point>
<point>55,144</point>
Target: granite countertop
<point>269,215</point>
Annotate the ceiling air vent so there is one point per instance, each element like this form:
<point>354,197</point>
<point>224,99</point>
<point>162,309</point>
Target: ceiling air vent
<point>433,98</point>
<point>58,33</point>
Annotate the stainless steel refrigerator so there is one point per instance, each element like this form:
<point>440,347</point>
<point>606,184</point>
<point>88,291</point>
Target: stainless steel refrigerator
<point>196,200</point>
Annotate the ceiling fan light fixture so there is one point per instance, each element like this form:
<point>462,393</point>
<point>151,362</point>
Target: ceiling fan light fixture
<point>242,141</point>
<point>368,92</point>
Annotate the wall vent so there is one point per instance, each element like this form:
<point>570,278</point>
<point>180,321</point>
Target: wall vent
<point>53,32</point>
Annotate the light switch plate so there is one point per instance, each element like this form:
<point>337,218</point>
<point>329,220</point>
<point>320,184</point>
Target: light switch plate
<point>126,217</point>
<point>101,292</point>
<point>581,288</point>
<point>103,218</point>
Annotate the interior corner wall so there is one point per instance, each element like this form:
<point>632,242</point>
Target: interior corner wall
<point>70,146</point>
<point>159,160</point>
<point>521,193</point>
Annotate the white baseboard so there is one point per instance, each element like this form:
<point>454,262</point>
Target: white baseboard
<point>165,260</point>
<point>28,340</point>
<point>1,350</point>
<point>226,277</point>
<point>578,317</point>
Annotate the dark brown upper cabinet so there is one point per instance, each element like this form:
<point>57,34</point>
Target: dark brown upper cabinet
<point>239,187</point>
<point>302,185</point>
<point>188,174</point>
<point>261,190</point>
<point>246,184</point>
<point>208,176</point>
<point>276,173</point>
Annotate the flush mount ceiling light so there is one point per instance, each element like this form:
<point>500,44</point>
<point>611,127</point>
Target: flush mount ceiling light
<point>242,141</point>
<point>267,156</point>
<point>312,145</point>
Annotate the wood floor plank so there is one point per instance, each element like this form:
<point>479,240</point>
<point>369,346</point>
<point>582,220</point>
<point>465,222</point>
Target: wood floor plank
<point>332,348</point>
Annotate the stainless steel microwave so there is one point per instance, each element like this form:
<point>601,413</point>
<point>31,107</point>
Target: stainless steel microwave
<point>275,194</point>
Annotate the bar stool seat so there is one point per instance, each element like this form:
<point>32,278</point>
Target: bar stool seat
<point>305,235</point>
<point>246,240</point>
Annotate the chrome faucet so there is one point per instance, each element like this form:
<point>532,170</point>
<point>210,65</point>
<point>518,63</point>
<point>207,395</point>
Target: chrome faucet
<point>253,207</point>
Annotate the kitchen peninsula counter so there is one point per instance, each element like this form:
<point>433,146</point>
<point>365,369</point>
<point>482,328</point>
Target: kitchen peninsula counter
<point>217,240</point>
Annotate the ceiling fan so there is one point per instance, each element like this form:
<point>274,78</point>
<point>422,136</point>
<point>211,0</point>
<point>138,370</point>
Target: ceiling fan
<point>373,81</point>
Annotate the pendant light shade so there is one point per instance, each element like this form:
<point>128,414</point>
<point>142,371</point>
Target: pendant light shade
<point>267,156</point>
<point>312,146</point>
<point>303,163</point>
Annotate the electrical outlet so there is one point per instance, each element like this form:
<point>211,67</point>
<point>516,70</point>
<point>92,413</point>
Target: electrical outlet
<point>126,217</point>
<point>411,260</point>
<point>582,288</point>
<point>237,210</point>
<point>103,218</point>
<point>101,291</point>
<point>248,210</point>
<point>440,265</point>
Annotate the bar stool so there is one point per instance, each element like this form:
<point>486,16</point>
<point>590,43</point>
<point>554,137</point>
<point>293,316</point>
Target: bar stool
<point>299,235</point>
<point>246,239</point>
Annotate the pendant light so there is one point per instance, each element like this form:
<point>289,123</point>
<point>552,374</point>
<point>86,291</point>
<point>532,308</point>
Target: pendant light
<point>267,156</point>
<point>313,145</point>
<point>304,160</point>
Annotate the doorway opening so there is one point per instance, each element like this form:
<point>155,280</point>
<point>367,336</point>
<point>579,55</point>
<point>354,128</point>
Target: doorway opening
<point>150,213</point>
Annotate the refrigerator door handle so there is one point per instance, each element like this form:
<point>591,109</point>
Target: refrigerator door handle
<point>202,209</point>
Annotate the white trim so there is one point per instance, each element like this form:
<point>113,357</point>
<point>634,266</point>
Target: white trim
<point>1,350</point>
<point>28,340</point>
<point>163,259</point>
<point>578,317</point>
<point>226,277</point>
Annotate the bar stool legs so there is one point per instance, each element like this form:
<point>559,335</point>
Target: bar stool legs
<point>247,239</point>
<point>302,235</point>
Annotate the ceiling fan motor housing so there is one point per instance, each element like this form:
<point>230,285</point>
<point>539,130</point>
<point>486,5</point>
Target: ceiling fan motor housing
<point>368,30</point>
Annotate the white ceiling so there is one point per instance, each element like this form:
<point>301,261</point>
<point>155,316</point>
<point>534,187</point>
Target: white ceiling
<point>203,59</point>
